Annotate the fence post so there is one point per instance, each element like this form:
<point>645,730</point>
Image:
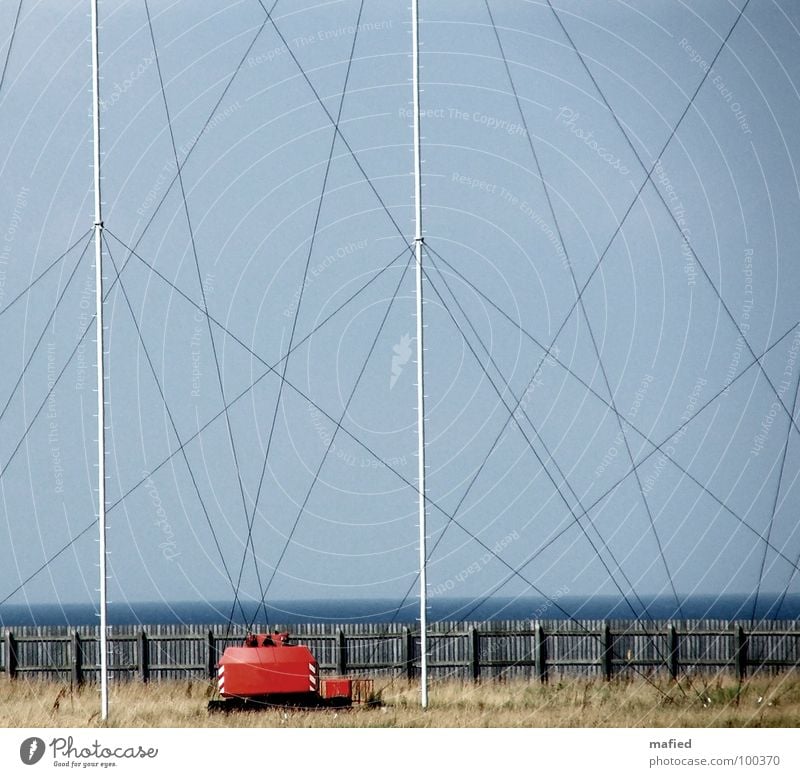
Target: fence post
<point>740,643</point>
<point>211,654</point>
<point>77,659</point>
<point>341,653</point>
<point>607,652</point>
<point>540,652</point>
<point>475,653</point>
<point>11,655</point>
<point>674,658</point>
<point>143,650</point>
<point>408,652</point>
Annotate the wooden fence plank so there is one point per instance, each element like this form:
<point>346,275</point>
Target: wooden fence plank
<point>674,654</point>
<point>475,653</point>
<point>11,655</point>
<point>77,659</point>
<point>408,652</point>
<point>211,655</point>
<point>540,652</point>
<point>143,656</point>
<point>341,653</point>
<point>740,645</point>
<point>607,651</point>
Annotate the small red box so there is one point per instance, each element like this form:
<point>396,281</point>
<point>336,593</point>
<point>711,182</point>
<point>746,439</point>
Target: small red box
<point>336,688</point>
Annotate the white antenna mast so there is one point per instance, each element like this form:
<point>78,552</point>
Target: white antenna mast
<point>418,242</point>
<point>101,431</point>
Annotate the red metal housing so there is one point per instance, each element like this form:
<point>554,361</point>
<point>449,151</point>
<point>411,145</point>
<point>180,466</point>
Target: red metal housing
<point>266,665</point>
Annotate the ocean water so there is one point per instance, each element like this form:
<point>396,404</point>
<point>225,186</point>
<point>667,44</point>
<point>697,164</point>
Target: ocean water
<point>384,611</point>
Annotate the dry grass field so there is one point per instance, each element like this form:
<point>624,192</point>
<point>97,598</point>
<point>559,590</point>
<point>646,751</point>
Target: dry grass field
<point>699,702</point>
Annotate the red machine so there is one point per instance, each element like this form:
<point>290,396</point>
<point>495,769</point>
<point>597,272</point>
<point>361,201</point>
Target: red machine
<point>268,670</point>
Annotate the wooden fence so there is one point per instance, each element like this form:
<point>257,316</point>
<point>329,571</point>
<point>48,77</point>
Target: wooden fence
<point>532,649</point>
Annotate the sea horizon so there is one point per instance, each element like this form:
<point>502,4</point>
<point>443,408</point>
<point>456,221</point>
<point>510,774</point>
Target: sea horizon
<point>726,607</point>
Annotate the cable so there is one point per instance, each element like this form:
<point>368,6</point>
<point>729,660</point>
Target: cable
<point>617,229</point>
<point>296,316</point>
<point>270,368</point>
<point>43,273</point>
<point>790,415</point>
<point>658,447</point>
<point>632,147</point>
<point>203,129</point>
<point>235,337</point>
<point>43,332</point>
<point>329,446</point>
<point>305,76</point>
<point>541,462</point>
<point>409,483</point>
<point>175,429</point>
<point>193,243</point>
<point>370,183</point>
<point>395,223</point>
<point>322,105</point>
<point>775,502</point>
<point>311,85</point>
<point>608,245</point>
<point>226,404</point>
<point>49,561</point>
<point>206,425</point>
<point>549,454</point>
<point>661,196</point>
<point>517,573</point>
<point>595,347</point>
<point>44,401</point>
<point>795,565</point>
<point>664,202</point>
<point>10,46</point>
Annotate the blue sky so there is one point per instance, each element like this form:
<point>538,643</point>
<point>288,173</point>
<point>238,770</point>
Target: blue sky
<point>502,275</point>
